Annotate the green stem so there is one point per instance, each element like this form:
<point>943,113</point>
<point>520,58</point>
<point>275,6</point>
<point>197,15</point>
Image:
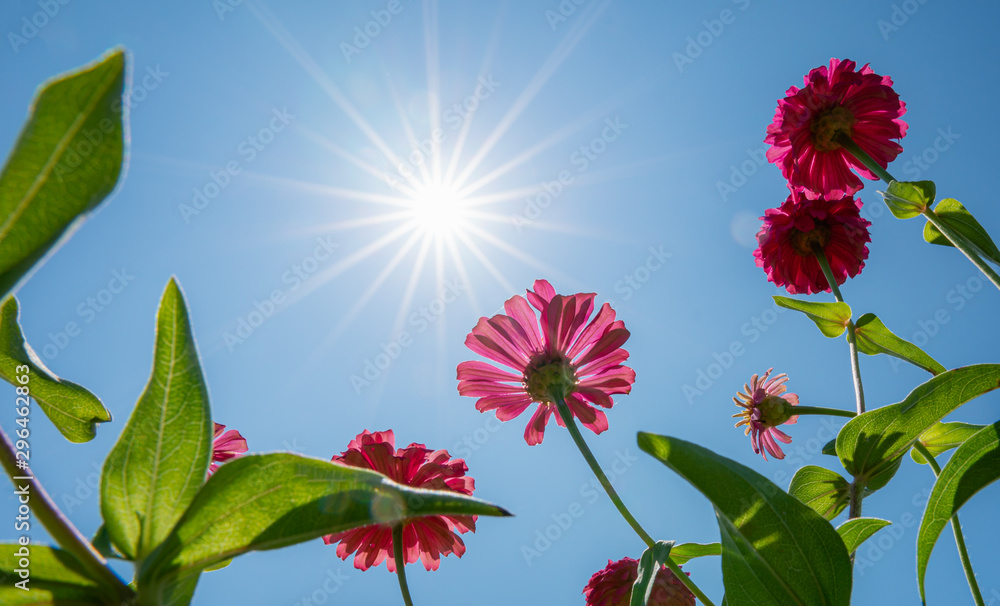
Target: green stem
<point>397,554</point>
<point>819,410</point>
<point>58,525</point>
<point>567,416</point>
<point>856,491</point>
<point>956,527</point>
<point>864,158</point>
<point>963,245</point>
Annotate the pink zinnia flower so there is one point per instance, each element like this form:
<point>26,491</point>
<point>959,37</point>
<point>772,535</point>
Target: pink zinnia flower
<point>613,586</point>
<point>835,101</point>
<point>766,405</point>
<point>579,361</point>
<point>225,446</point>
<point>791,234</point>
<point>426,537</point>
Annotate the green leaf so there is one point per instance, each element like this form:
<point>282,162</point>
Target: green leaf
<point>66,160</point>
<point>953,214</point>
<point>652,560</point>
<point>857,531</point>
<point>907,199</point>
<point>685,552</point>
<point>871,446</point>
<point>161,459</point>
<point>825,492</point>
<point>54,577</point>
<point>102,543</point>
<point>830,318</point>
<point>72,409</point>
<point>975,465</point>
<point>775,550</point>
<point>830,448</point>
<point>261,502</point>
<point>942,437</point>
<point>874,338</point>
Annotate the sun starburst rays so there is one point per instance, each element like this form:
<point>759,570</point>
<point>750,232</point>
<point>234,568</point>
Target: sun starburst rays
<point>435,211</point>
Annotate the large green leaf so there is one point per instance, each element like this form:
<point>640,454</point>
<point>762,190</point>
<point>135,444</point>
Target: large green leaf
<point>72,409</point>
<point>53,576</point>
<point>825,492</point>
<point>975,465</point>
<point>874,338</point>
<point>953,214</point>
<point>685,552</point>
<point>775,550</point>
<point>871,446</point>
<point>942,437</point>
<point>830,318</point>
<point>906,199</point>
<point>161,459</point>
<point>67,159</point>
<point>652,560</point>
<point>857,531</point>
<point>260,502</point>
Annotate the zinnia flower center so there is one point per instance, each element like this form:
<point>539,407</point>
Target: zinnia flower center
<point>830,125</point>
<point>774,411</point>
<point>806,242</point>
<point>545,377</point>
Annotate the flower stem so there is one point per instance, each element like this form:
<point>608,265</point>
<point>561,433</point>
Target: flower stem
<point>864,158</point>
<point>856,491</point>
<point>567,416</point>
<point>58,525</point>
<point>963,245</point>
<point>819,410</point>
<point>397,554</point>
<point>956,527</point>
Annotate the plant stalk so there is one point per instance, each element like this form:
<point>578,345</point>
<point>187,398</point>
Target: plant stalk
<point>566,415</point>
<point>397,554</point>
<point>58,525</point>
<point>956,527</point>
<point>963,245</point>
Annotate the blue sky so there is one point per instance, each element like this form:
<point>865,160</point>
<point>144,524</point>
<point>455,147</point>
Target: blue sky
<point>612,147</point>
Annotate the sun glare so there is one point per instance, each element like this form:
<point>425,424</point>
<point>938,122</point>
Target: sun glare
<point>438,209</point>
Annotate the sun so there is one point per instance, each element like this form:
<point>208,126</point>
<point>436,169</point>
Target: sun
<point>438,209</point>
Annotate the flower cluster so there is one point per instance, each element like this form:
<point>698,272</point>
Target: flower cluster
<point>814,129</point>
<point>225,445</point>
<point>612,586</point>
<point>765,406</point>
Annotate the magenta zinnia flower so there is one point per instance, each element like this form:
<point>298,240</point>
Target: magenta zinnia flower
<point>569,357</point>
<point>226,446</point>
<point>426,537</point>
<point>792,234</point>
<point>766,405</point>
<point>612,586</point>
<point>836,101</point>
